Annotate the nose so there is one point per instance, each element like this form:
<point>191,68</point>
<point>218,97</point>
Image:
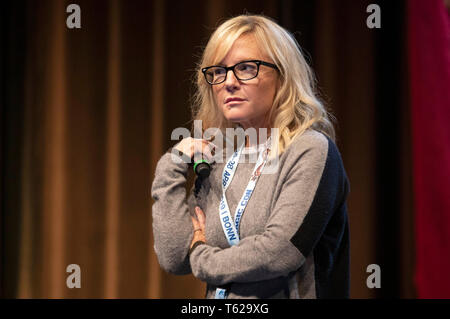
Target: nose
<point>231,83</point>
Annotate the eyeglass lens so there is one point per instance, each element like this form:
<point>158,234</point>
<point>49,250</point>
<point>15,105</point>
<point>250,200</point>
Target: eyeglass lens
<point>243,71</point>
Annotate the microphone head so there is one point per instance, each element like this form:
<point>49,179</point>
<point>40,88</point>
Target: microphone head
<point>202,169</point>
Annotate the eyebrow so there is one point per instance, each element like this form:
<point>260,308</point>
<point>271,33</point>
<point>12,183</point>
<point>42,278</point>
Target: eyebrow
<point>240,60</point>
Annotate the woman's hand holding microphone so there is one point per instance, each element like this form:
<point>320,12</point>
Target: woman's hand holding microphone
<point>191,147</point>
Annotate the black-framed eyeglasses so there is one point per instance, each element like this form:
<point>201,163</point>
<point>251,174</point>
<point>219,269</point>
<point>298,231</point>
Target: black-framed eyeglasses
<point>243,71</point>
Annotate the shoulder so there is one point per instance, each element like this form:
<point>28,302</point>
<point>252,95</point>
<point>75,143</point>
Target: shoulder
<point>314,141</point>
<point>310,141</point>
<point>313,148</point>
<point>319,150</point>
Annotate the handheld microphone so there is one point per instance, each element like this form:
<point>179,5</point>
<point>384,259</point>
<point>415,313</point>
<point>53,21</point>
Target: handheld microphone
<point>202,168</point>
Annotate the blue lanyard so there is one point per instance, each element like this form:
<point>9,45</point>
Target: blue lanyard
<point>230,226</point>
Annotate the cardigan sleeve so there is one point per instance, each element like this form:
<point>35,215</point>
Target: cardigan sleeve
<point>312,190</point>
<point>172,226</point>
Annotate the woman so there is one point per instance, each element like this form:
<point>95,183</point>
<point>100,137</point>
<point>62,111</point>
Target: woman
<point>276,235</point>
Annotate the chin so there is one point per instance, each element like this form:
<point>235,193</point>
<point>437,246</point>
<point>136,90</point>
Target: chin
<point>234,120</point>
<point>234,116</point>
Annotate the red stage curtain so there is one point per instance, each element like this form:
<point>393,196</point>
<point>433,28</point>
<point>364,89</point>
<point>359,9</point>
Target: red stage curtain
<point>429,61</point>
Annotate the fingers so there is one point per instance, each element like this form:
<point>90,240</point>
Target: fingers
<point>195,223</point>
<point>200,221</point>
<point>201,217</point>
<point>202,148</point>
<point>199,226</point>
<point>196,147</point>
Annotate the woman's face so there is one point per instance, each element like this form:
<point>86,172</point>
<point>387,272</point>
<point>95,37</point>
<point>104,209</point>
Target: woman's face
<point>251,99</point>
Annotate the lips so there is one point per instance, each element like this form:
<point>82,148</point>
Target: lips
<point>233,99</point>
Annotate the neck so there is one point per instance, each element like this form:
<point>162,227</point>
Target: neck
<point>250,142</point>
<point>262,124</point>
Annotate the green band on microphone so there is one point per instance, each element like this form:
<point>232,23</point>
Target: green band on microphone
<point>202,161</point>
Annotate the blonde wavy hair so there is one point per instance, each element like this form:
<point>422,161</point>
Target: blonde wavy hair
<point>296,106</point>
